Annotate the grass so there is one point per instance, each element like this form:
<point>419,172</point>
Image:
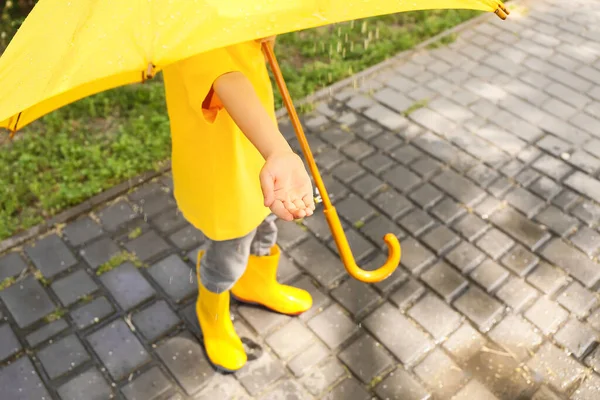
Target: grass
<point>82,149</point>
<point>117,260</point>
<point>7,282</point>
<point>55,315</point>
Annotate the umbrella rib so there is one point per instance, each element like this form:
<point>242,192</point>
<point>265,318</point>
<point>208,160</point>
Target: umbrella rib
<point>13,131</point>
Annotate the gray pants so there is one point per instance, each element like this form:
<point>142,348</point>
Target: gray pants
<point>224,262</point>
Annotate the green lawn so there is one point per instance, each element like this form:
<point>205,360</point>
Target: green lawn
<point>89,146</point>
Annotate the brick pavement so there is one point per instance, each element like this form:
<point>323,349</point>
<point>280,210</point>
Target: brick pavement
<point>491,185</point>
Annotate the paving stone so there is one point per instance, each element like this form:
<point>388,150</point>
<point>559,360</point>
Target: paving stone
<point>490,275</point>
<point>150,385</point>
<point>222,386</point>
<point>288,234</point>
<point>320,301</point>
<point>500,187</point>
<point>11,264</point>
<point>361,247</point>
<point>520,261</point>
<point>118,349</point>
<point>322,264</point>
<point>572,261</point>
<point>516,294</point>
<point>290,339</point>
<point>520,228</point>
<point>318,225</point>
<point>155,320</point>
<point>524,201</point>
<point>175,277</point>
<point>546,315</point>
<point>377,163</point>
<point>390,283</point>
<point>347,171</point>
<point>99,252</point>
<point>148,245</point>
<point>63,356</point>
<point>440,239</point>
<point>406,154</point>
<point>517,336</point>
<point>479,307</point>
<point>584,184</point>
<point>426,196</point>
<point>588,390</point>
<point>445,280</point>
<point>529,154</point>
<point>401,178</point>
<point>401,385</point>
<point>46,332</point>
<point>354,209</point>
<point>495,243</point>
<point>554,145</point>
<point>380,226</point>
<point>386,322</point>
<point>329,158</point>
<point>308,359</point>
<point>488,206</point>
<point>185,359</point>
<point>482,175</point>
<point>459,188</point>
<point>512,168</point>
<point>323,376</point>
<point>333,326</point>
<point>357,297</point>
<point>73,287</point>
<point>409,292</point>
<point>260,373</point>
<point>464,343</point>
<point>415,257</point>
<point>441,374</point>
<point>471,227</point>
<point>9,344</point>
<point>555,367</point>
<point>586,240</point>
<point>559,222</point>
<point>416,222</point>
<point>544,393</point>
<point>169,221</point>
<point>392,203</point>
<point>368,185</point>
<point>89,385</point>
<point>465,257</point>
<point>587,212</point>
<point>553,167</point>
<point>92,312</point>
<point>115,215</point>
<point>474,390</point>
<point>27,301</point>
<point>185,238</point>
<point>348,389</point>
<point>287,389</point>
<point>447,210</point>
<point>435,316</point>
<point>577,337</point>
<point>127,286</point>
<point>565,200</point>
<point>584,161</point>
<point>20,381</point>
<point>528,176</point>
<point>50,255</point>
<point>547,278</point>
<point>577,299</point>
<point>386,117</point>
<point>366,358</point>
<point>261,320</point>
<point>426,167</point>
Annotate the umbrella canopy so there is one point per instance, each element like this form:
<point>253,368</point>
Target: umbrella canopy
<point>66,50</point>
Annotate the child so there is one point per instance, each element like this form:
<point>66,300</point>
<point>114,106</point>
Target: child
<point>233,174</point>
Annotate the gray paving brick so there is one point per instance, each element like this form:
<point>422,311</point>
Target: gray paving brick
<point>517,294</point>
<point>459,188</point>
<point>361,248</point>
<point>488,206</point>
<point>307,360</point>
<point>482,175</point>
<point>149,385</point>
<point>261,320</point>
<point>155,320</point>
<point>349,389</point>
<point>440,239</point>
<point>471,227</point>
<point>588,213</point>
<point>415,257</point>
<point>441,374</point>
<point>464,343</point>
<point>285,389</point>
<point>500,187</point>
<point>386,117</point>
<point>554,145</point>
<point>63,356</point>
<point>366,358</point>
<point>27,301</point>
<point>357,297</point>
<point>577,337</point>
<point>347,171</point>
<point>495,243</point>
<point>280,341</point>
<point>572,261</point>
<point>435,316</point>
<point>409,292</point>
<point>527,177</point>
<point>584,184</point>
<point>586,240</point>
<point>426,196</point>
<point>386,322</point>
<point>520,261</point>
<point>401,178</point>
<point>474,390</point>
<point>185,238</point>
<point>82,230</point>
<point>520,228</point>
<point>92,312</point>
<point>406,154</point>
<point>20,381</point>
<point>479,307</point>
<point>416,222</point>
<point>354,209</point>
<point>323,376</point>
<point>445,280</point>
<point>392,203</point>
<point>175,277</point>
<point>89,385</point>
<point>368,185</point>
<point>546,315</point>
<point>9,344</point>
<point>426,167</point>
<point>336,136</point>
<point>502,139</point>
<point>577,299</point>
<point>544,393</point>
<point>328,159</point>
<point>401,385</point>
<point>490,275</point>
<point>184,358</point>
<point>50,255</point>
<point>589,389</point>
<point>529,154</point>
<point>447,210</point>
<point>393,99</point>
<point>546,188</point>
<point>73,287</point>
<point>149,245</point>
<point>559,222</point>
<point>524,201</point>
<point>377,163</point>
<point>378,227</point>
<point>99,252</point>
<point>555,367</point>
<point>11,264</point>
<point>584,161</point>
<point>465,257</point>
<point>46,332</point>
<point>565,200</point>
<point>547,278</point>
<point>333,326</point>
<point>481,149</point>
<point>318,261</point>
<point>116,214</point>
<point>320,301</point>
<point>169,221</point>
<point>516,336</point>
<point>127,286</point>
<point>553,167</point>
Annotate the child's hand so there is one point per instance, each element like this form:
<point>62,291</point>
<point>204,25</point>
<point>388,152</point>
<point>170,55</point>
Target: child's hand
<point>286,186</point>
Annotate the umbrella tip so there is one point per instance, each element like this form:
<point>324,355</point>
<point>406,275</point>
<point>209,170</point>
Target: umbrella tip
<point>501,13</point>
<point>148,73</point>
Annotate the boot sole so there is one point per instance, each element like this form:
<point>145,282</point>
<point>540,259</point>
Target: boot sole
<point>264,306</point>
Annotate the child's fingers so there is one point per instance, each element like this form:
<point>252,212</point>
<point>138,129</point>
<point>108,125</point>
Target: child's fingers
<point>309,202</point>
<point>281,211</point>
<point>267,186</point>
<point>299,204</point>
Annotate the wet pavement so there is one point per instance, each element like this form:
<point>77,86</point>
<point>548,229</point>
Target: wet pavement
<point>482,156</point>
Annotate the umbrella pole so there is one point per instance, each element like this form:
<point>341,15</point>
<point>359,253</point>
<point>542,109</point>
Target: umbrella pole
<point>330,212</point>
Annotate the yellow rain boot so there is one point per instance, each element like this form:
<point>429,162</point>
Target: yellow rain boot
<point>223,346</point>
<point>259,285</point>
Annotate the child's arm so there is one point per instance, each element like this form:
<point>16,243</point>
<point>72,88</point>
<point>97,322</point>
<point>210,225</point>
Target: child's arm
<point>285,183</point>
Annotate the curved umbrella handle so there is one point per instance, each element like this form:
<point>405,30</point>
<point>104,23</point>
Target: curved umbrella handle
<point>330,212</point>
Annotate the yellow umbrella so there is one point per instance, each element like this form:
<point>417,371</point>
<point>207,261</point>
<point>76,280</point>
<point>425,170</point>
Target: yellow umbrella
<point>70,49</point>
